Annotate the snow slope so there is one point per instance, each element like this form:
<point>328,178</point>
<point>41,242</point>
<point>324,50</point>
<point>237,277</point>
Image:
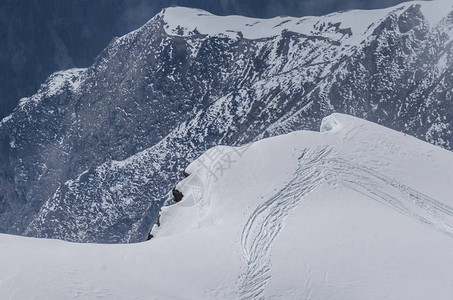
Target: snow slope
<point>356,211</point>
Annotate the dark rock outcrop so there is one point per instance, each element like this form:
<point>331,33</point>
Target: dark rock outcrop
<point>177,195</point>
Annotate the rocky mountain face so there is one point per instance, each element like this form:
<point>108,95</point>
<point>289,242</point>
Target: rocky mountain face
<point>38,38</point>
<point>94,153</point>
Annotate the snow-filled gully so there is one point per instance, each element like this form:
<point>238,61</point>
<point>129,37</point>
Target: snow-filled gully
<point>317,167</point>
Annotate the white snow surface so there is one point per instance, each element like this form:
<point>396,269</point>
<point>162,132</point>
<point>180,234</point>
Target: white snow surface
<point>181,21</point>
<point>356,211</point>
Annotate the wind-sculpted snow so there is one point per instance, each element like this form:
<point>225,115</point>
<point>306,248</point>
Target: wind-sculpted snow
<point>307,213</point>
<point>187,81</point>
<point>315,168</point>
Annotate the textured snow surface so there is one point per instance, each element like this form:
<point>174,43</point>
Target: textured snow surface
<point>356,211</point>
<point>186,22</point>
<point>182,21</point>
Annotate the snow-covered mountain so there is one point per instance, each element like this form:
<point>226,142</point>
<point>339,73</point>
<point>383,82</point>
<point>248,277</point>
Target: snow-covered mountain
<point>94,153</point>
<point>40,37</point>
<point>356,211</point>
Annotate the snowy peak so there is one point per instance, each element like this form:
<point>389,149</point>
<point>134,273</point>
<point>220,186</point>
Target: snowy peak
<point>349,201</point>
<point>354,25</point>
<point>186,22</point>
<point>353,153</point>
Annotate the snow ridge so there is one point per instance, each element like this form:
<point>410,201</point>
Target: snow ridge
<point>316,168</point>
<point>182,21</point>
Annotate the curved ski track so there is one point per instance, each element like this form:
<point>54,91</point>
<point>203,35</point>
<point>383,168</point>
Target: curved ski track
<point>316,167</point>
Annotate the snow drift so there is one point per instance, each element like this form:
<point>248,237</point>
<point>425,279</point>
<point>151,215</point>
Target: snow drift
<point>356,211</point>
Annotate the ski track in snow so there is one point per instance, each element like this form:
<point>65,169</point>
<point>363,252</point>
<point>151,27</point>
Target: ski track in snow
<point>266,222</point>
<point>316,167</point>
